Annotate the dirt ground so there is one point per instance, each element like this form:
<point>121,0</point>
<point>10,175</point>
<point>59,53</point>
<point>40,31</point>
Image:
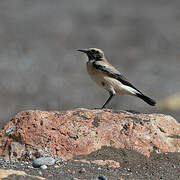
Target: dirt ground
<point>132,166</point>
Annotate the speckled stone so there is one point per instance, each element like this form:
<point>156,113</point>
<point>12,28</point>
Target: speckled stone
<point>43,161</point>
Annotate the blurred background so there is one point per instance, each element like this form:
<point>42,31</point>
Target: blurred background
<point>40,68</point>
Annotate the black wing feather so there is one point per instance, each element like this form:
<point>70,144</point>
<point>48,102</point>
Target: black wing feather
<point>114,74</point>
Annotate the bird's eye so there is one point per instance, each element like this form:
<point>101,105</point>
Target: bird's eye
<point>93,51</point>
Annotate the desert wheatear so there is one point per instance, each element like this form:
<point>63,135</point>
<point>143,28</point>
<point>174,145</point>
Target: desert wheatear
<point>108,77</point>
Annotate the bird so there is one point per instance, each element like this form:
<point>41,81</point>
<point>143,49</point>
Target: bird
<point>109,78</point>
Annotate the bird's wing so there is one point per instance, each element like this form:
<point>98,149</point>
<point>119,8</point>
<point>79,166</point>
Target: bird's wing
<point>112,72</point>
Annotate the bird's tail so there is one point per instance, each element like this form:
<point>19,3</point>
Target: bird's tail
<point>146,99</point>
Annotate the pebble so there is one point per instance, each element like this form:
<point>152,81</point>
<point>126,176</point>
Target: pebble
<point>43,167</point>
<point>7,162</point>
<point>128,169</point>
<point>82,170</point>
<point>43,161</point>
<point>102,177</point>
<point>30,167</point>
<point>40,173</point>
<point>59,161</point>
<point>74,178</point>
<point>56,166</point>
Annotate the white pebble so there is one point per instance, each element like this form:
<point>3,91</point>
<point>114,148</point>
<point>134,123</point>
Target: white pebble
<point>43,167</point>
<point>56,166</point>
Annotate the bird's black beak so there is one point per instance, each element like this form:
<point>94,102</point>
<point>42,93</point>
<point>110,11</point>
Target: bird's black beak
<point>83,50</point>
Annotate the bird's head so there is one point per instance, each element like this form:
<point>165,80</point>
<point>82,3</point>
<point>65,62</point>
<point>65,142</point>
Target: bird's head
<point>93,53</point>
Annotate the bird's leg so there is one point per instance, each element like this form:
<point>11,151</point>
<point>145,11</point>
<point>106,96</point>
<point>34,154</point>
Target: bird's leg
<point>110,97</point>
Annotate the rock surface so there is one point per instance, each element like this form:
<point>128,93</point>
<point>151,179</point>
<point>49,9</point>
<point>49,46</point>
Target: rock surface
<point>82,131</point>
<point>4,173</point>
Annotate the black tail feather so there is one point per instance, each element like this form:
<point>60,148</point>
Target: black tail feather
<point>146,99</point>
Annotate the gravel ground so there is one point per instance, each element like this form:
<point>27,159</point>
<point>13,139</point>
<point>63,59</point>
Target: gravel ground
<point>40,68</point>
<point>132,166</point>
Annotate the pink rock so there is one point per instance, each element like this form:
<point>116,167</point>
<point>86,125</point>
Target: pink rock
<point>77,132</point>
<point>110,163</point>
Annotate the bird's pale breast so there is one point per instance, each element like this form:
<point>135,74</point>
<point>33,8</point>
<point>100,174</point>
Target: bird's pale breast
<point>106,82</point>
